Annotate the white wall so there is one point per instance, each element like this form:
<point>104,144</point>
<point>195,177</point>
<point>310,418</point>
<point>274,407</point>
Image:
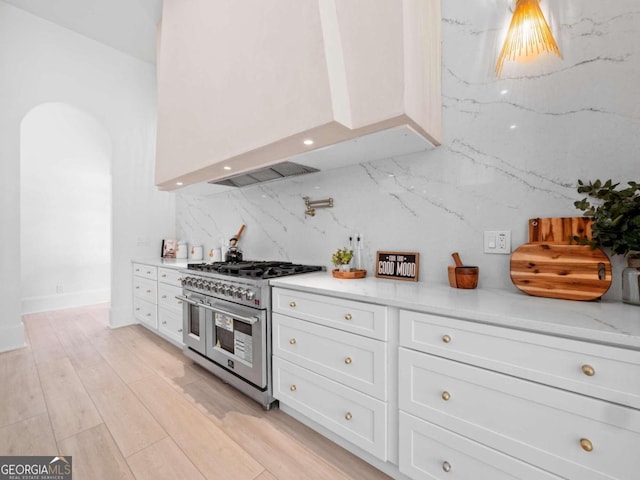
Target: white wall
<point>41,62</point>
<point>575,118</point>
<point>65,218</point>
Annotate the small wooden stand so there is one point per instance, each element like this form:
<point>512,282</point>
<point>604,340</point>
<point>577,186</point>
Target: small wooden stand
<point>350,274</point>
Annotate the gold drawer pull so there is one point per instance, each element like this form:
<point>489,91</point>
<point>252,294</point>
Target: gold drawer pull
<point>180,331</point>
<point>586,444</point>
<point>164,275</point>
<point>446,338</point>
<point>164,323</point>
<point>292,304</point>
<point>347,316</point>
<point>293,341</point>
<point>293,388</point>
<point>348,360</point>
<point>148,314</point>
<point>137,287</point>
<point>348,416</point>
<point>148,291</point>
<point>148,272</point>
<point>446,466</point>
<point>137,269</point>
<point>446,396</point>
<point>164,296</point>
<point>179,279</point>
<point>137,309</point>
<point>588,370</point>
<point>179,302</point>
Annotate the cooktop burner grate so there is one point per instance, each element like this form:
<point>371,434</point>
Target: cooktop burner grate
<point>254,269</point>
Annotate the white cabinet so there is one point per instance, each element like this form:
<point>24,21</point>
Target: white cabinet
<point>328,373</point>
<point>155,304</point>
<point>566,406</point>
<point>145,292</point>
<point>234,89</point>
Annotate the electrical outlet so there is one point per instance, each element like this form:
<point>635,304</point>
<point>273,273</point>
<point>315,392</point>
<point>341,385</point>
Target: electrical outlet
<point>497,241</point>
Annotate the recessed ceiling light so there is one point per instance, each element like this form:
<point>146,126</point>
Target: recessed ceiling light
<point>513,127</point>
<point>308,141</point>
<point>227,167</point>
<point>504,92</point>
<point>179,184</point>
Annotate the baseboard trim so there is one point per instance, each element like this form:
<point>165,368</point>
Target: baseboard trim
<point>65,300</point>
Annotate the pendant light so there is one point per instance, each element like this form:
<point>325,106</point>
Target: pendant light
<point>528,36</point>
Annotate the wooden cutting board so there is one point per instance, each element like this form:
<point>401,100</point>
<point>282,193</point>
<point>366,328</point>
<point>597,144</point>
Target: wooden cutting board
<point>559,229</point>
<point>572,272</point>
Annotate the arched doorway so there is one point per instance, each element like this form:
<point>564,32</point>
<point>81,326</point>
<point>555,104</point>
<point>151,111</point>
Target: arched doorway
<point>65,201</point>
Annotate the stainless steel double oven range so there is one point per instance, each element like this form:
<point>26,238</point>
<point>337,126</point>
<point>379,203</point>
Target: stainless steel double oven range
<point>227,321</point>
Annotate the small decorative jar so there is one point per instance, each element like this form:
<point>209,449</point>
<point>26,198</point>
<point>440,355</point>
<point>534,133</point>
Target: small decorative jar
<point>630,281</point>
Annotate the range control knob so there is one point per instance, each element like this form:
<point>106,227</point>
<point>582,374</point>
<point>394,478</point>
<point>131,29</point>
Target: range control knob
<point>249,294</point>
<point>233,291</point>
<point>217,287</point>
<point>240,292</point>
<point>225,288</point>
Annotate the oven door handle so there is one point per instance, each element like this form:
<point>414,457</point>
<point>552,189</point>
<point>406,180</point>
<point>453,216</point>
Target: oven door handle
<point>188,300</point>
<point>249,320</point>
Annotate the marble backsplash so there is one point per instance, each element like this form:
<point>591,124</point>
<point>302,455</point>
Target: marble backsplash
<point>513,149</point>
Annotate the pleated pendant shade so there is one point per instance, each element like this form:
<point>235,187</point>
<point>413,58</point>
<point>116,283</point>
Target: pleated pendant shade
<point>528,36</point>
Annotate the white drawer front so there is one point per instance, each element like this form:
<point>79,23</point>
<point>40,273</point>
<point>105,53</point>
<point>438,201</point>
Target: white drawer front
<point>145,312</point>
<point>538,424</point>
<point>145,289</point>
<point>170,324</point>
<point>170,276</point>
<point>597,370</point>
<point>352,360</point>
<point>356,417</point>
<point>145,271</point>
<point>167,297</point>
<point>356,317</point>
<point>430,452</point>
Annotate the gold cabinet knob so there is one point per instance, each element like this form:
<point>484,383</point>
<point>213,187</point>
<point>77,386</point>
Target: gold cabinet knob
<point>347,316</point>
<point>164,275</point>
<point>446,396</point>
<point>180,331</point>
<point>164,296</point>
<point>293,341</point>
<point>148,291</point>
<point>446,466</point>
<point>348,360</point>
<point>148,272</point>
<point>148,314</point>
<point>292,304</point>
<point>179,302</point>
<point>348,416</point>
<point>588,370</point>
<point>586,444</point>
<point>293,388</point>
<point>446,338</point>
<point>137,287</point>
<point>164,322</point>
<point>137,309</point>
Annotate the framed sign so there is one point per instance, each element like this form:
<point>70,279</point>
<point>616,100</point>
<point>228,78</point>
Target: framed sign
<point>398,265</point>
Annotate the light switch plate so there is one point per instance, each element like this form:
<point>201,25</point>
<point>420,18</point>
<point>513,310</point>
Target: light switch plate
<point>497,241</point>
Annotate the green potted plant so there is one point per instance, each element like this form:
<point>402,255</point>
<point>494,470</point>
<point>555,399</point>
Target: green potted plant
<point>341,258</point>
<point>616,225</point>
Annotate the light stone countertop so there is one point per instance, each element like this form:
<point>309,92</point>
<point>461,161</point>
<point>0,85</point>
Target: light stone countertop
<point>604,321</point>
<point>166,263</point>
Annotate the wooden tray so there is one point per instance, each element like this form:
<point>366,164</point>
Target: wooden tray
<point>350,274</point>
<point>571,272</point>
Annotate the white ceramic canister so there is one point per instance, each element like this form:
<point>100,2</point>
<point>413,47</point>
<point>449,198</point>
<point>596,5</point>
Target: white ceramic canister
<point>182,250</point>
<point>214,255</point>
<point>195,252</point>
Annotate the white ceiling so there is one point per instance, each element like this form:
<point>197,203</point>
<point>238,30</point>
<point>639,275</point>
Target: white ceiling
<point>126,25</point>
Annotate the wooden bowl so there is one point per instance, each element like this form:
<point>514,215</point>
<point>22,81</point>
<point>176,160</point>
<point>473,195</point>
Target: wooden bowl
<point>467,277</point>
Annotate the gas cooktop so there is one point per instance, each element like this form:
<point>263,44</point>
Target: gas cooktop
<point>254,269</point>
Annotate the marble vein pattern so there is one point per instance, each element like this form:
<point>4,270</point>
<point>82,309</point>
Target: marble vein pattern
<point>513,149</point>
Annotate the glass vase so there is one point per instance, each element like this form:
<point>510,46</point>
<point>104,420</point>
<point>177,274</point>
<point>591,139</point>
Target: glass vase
<point>631,282</point>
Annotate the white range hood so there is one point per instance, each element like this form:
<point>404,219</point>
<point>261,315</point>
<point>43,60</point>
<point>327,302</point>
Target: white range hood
<point>242,85</point>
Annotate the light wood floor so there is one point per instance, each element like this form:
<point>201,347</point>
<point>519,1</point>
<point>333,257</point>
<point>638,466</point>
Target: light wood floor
<point>126,404</point>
